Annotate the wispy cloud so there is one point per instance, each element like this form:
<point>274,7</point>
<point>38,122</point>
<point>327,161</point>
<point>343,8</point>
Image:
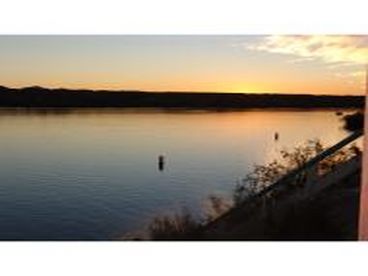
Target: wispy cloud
<point>348,50</point>
<point>343,55</point>
<point>352,78</point>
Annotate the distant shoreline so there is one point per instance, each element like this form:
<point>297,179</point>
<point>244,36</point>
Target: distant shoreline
<point>39,97</point>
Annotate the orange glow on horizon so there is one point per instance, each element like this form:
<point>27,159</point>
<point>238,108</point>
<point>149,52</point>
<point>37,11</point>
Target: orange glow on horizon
<point>235,64</point>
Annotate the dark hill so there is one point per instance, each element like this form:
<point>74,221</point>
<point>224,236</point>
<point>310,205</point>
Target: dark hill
<point>42,97</point>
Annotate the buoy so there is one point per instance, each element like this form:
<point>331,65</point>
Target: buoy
<point>161,162</point>
<point>276,136</point>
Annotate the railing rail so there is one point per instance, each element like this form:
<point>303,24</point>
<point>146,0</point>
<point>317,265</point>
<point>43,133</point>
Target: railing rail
<point>311,163</point>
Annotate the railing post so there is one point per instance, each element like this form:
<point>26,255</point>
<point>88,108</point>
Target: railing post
<point>363,209</point>
<point>264,205</point>
<point>312,177</point>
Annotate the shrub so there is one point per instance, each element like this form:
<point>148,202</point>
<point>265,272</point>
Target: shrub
<point>264,175</point>
<point>354,122</point>
<point>173,227</point>
<point>183,225</point>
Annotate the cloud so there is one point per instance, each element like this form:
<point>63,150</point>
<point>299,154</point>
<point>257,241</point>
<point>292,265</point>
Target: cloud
<point>352,78</point>
<point>347,50</point>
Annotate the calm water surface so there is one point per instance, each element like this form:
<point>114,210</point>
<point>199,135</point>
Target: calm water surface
<point>93,174</point>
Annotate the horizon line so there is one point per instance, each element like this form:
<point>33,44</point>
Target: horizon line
<point>178,91</point>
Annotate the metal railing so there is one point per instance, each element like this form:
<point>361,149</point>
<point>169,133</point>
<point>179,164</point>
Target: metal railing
<point>312,162</point>
<point>265,198</point>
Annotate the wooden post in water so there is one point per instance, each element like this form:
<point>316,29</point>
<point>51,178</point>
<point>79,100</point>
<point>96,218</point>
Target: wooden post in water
<point>363,211</point>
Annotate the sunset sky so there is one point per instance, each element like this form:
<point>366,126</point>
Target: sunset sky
<point>276,64</point>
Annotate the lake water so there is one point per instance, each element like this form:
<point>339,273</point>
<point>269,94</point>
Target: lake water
<point>93,174</point>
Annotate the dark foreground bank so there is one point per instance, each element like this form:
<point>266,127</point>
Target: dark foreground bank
<point>43,97</point>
